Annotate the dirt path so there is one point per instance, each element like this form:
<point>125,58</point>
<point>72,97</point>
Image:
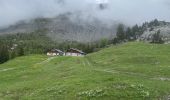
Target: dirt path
<point>43,62</point>
<point>106,70</point>
<point>46,61</point>
<point>112,71</point>
<point>3,70</point>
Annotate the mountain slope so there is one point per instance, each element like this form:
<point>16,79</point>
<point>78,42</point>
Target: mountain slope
<point>163,27</point>
<point>128,71</point>
<point>66,27</point>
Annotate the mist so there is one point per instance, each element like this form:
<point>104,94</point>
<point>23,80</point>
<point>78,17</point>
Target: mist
<point>125,11</point>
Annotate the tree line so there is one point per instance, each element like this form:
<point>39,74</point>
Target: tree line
<point>14,45</point>
<point>133,33</point>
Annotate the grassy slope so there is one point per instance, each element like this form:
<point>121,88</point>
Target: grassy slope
<point>128,71</point>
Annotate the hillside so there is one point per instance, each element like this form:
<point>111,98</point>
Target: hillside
<point>66,27</point>
<point>128,71</point>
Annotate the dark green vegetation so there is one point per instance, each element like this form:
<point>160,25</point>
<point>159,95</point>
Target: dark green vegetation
<point>131,71</point>
<point>39,41</point>
<point>157,37</point>
<point>4,54</point>
<point>14,45</point>
<point>134,32</point>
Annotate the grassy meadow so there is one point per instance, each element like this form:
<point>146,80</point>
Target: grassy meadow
<point>130,71</point>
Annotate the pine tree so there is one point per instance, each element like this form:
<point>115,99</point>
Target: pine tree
<point>120,32</point>
<point>20,51</point>
<point>135,32</point>
<point>128,33</point>
<point>12,54</point>
<point>4,53</point>
<point>157,37</point>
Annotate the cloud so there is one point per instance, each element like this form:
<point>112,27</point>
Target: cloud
<point>128,11</point>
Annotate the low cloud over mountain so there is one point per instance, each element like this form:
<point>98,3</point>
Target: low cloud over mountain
<point>127,11</point>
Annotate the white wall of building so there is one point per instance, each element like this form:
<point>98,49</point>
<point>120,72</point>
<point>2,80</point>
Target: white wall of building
<point>66,54</point>
<point>73,54</point>
<point>53,54</point>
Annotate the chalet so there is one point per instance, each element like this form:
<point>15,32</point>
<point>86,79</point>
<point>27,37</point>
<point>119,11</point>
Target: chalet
<point>55,52</point>
<point>74,52</point>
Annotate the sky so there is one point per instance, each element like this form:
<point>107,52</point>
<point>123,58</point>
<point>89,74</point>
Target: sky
<point>126,11</point>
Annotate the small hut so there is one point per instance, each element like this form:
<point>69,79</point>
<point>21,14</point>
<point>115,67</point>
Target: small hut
<point>74,52</point>
<point>55,52</point>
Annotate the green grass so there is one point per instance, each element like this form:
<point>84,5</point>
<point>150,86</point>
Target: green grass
<point>131,71</point>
